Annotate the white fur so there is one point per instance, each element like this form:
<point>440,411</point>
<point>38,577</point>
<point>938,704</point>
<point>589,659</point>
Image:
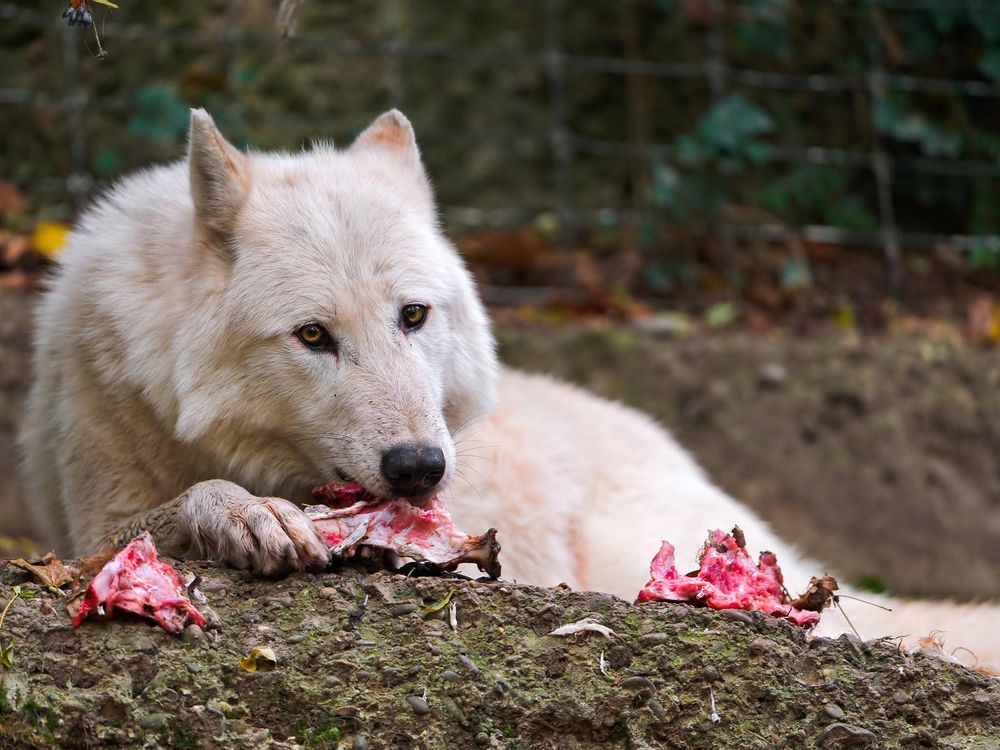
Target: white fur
<point>167,357</point>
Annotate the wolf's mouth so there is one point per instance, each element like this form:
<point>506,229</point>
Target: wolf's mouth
<point>419,501</point>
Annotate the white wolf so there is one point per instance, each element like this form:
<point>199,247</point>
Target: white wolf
<point>237,328</point>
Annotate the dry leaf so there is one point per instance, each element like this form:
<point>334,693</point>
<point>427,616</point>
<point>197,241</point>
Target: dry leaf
<point>582,626</point>
<point>259,660</point>
<point>87,568</point>
<point>48,571</point>
<point>49,237</point>
<point>984,320</point>
<point>7,655</point>
<point>819,594</point>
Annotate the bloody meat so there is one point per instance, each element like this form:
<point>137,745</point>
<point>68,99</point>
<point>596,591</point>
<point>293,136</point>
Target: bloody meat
<point>352,521</point>
<point>727,578</point>
<point>135,580</point>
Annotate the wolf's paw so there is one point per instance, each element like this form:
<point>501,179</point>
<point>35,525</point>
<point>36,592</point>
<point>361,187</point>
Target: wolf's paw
<point>267,535</point>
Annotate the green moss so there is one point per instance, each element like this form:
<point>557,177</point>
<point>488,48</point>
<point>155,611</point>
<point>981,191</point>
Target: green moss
<point>326,736</point>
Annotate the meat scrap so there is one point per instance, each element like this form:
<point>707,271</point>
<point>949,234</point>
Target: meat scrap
<point>352,521</point>
<point>728,579</point>
<point>135,580</point>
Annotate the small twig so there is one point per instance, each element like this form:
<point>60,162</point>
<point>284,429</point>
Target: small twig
<point>17,593</point>
<point>863,601</point>
<point>714,716</point>
<point>602,665</point>
<point>851,624</point>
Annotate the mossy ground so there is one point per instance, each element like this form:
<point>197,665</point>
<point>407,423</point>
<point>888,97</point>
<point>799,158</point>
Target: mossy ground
<point>351,659</point>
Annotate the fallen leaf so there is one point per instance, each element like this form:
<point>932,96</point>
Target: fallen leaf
<point>14,248</point>
<point>819,594</point>
<point>12,200</point>
<point>721,314</point>
<point>984,320</point>
<point>48,571</point>
<point>439,606</point>
<point>49,237</point>
<point>87,568</point>
<point>581,626</point>
<point>259,660</point>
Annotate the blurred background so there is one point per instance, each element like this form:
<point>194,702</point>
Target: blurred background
<point>772,224</point>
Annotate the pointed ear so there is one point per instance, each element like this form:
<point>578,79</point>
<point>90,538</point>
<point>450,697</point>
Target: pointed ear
<point>219,175</point>
<point>392,134</point>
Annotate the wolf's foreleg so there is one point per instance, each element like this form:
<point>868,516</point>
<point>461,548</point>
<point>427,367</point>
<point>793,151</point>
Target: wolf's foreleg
<point>220,520</point>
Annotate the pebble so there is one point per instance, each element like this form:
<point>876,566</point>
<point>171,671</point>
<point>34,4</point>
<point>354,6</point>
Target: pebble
<point>450,676</point>
<point>653,639</point>
<point>710,674</point>
<point>193,633</point>
<point>436,650</point>
<point>657,708</point>
<point>482,739</point>
<point>328,592</point>
<point>845,735</point>
<point>153,721</point>
<point>773,375</point>
<point>637,683</point>
<point>211,586</point>
<point>281,600</point>
<point>834,711</point>
<point>760,646</point>
<point>194,668</point>
<point>468,664</point>
<point>900,697</point>
<point>360,743</point>
<point>297,638</point>
<point>738,615</point>
<point>403,609</point>
<point>419,705</point>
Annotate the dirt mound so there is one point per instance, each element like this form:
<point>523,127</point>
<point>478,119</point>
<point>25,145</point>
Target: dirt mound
<point>370,661</point>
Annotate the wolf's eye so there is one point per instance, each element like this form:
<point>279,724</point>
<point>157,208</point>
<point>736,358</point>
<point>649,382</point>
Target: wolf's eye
<point>315,337</point>
<point>413,316</point>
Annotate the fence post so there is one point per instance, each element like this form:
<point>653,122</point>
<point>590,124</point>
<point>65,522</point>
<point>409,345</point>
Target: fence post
<point>718,84</point>
<point>559,138</point>
<point>881,163</point>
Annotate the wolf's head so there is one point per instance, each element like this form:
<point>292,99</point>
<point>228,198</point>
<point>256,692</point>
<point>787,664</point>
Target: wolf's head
<point>345,334</point>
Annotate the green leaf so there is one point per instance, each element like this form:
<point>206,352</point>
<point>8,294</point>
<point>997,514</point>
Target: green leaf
<point>439,605</point>
<point>795,274</point>
<point>733,122</point>
<point>989,63</point>
<point>7,655</point>
<point>721,314</point>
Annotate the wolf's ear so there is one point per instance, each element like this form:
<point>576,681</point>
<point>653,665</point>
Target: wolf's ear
<point>219,175</point>
<point>391,134</point>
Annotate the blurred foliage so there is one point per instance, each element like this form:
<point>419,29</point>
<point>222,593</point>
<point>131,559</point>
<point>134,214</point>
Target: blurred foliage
<point>470,70</point>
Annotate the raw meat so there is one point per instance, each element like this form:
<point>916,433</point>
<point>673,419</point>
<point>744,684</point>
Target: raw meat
<point>134,580</point>
<point>726,579</point>
<point>352,520</point>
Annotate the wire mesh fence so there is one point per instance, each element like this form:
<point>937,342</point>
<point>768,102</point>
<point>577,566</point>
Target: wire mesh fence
<point>518,70</point>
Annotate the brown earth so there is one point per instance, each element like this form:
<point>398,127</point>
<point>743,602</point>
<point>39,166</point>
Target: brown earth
<point>359,665</point>
<point>881,457</point>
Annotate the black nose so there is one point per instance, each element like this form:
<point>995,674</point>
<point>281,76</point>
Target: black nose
<point>412,469</point>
